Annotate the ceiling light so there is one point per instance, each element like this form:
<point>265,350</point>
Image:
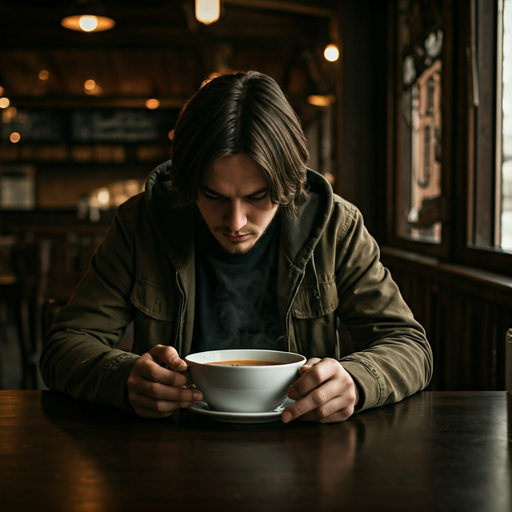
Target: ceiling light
<point>88,16</point>
<point>207,11</point>
<point>331,53</point>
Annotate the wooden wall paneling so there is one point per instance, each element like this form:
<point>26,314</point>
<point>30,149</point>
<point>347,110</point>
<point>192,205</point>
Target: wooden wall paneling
<point>503,323</point>
<point>448,339</point>
<point>432,324</point>
<point>465,315</point>
<point>467,327</point>
<point>484,340</point>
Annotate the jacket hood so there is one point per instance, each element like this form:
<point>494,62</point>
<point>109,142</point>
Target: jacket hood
<point>173,226</point>
<point>301,231</point>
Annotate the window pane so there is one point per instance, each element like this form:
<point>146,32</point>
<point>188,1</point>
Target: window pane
<point>420,201</point>
<point>506,130</point>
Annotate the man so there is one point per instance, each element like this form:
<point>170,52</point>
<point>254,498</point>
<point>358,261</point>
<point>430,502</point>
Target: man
<point>237,244</point>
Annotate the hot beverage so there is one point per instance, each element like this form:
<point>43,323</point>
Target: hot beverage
<point>245,362</point>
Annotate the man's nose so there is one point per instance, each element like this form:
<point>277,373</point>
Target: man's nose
<point>235,217</point>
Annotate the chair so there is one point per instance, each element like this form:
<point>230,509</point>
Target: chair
<point>7,280</point>
<point>46,267</point>
<point>30,261</point>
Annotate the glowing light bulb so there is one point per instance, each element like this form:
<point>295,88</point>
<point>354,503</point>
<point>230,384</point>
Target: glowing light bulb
<point>331,53</point>
<point>207,11</point>
<point>88,23</point>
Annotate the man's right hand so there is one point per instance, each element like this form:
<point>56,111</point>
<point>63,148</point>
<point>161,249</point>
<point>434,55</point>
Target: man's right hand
<point>157,384</point>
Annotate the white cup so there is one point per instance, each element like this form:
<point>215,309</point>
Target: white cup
<point>244,388</point>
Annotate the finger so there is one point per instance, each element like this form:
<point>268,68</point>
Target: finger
<point>309,364</point>
<point>149,370</point>
<point>168,356</point>
<point>317,400</point>
<point>313,377</point>
<point>337,409</point>
<point>160,391</point>
<point>151,408</point>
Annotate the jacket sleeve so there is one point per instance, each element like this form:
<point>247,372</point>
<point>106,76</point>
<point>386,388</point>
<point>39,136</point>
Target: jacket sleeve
<point>79,355</point>
<point>392,358</point>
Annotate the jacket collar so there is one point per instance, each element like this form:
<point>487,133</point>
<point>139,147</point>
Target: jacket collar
<point>300,233</point>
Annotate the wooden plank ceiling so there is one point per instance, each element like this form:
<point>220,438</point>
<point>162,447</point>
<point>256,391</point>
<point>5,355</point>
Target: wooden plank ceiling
<point>158,49</point>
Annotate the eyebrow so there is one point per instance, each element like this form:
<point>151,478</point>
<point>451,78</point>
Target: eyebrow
<point>214,192</point>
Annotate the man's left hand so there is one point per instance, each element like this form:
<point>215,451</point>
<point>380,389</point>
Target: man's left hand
<point>325,392</point>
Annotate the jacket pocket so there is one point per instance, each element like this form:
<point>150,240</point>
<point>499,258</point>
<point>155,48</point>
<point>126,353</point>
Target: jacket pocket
<point>310,304</point>
<point>153,300</point>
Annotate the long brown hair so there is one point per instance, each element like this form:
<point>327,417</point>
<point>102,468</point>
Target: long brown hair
<point>240,112</point>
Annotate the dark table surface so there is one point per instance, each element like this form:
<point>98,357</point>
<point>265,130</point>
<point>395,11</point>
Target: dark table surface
<point>434,451</point>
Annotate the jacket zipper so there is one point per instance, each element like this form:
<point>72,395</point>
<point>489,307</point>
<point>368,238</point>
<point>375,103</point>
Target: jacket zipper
<point>177,342</point>
<point>288,312</point>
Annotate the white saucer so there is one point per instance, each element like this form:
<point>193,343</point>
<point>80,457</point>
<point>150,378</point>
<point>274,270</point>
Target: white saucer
<point>241,417</point>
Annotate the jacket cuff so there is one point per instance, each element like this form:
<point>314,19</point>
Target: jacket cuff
<point>115,389</point>
<point>367,383</point>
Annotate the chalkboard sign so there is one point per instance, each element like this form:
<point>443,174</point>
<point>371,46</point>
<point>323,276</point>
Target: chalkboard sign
<point>83,126</point>
<point>121,126</point>
<point>39,125</point>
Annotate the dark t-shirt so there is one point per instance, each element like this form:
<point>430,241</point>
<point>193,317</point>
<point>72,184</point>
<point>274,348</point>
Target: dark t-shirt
<point>236,294</point>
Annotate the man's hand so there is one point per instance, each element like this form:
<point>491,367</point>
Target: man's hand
<point>325,392</point>
<point>157,384</point>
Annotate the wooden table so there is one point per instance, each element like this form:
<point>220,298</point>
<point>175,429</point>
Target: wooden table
<point>436,451</point>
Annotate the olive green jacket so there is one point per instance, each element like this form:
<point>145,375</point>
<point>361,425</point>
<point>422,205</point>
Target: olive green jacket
<point>144,271</point>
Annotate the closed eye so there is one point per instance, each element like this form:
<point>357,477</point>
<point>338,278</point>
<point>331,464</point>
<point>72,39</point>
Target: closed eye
<point>258,197</point>
<point>211,196</point>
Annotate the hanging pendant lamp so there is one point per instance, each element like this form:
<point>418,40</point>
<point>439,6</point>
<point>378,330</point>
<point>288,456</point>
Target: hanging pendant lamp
<point>88,16</point>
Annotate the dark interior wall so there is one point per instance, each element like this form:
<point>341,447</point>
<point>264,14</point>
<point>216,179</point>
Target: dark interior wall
<point>361,138</point>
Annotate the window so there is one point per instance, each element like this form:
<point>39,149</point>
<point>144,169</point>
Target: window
<point>489,227</point>
<point>451,164</point>
<point>420,121</point>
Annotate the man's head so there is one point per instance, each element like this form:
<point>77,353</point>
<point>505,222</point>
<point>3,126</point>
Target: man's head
<point>234,201</point>
<point>240,114</point>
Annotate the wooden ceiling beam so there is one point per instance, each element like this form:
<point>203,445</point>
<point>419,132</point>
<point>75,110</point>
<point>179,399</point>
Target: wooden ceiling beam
<point>296,7</point>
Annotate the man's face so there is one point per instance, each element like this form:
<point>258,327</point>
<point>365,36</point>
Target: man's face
<point>234,200</point>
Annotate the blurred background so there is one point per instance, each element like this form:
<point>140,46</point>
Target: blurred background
<point>407,109</point>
